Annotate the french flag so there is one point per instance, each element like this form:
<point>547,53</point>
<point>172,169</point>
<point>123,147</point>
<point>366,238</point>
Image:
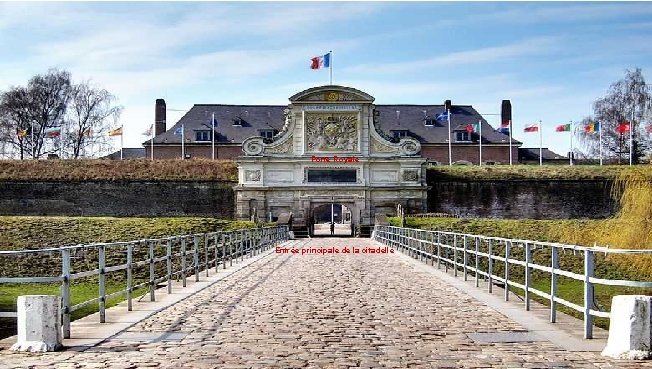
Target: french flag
<point>319,62</point>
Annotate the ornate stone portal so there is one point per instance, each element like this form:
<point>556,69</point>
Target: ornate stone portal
<point>329,151</point>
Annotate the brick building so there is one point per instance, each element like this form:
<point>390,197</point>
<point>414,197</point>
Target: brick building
<point>235,123</point>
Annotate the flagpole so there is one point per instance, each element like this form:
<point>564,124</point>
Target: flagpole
<point>480,140</point>
<point>121,140</point>
<point>31,129</point>
<point>330,65</point>
<point>631,139</point>
<point>151,143</point>
<point>213,137</point>
<point>540,145</point>
<point>570,155</point>
<point>183,147</point>
<point>450,147</point>
<point>510,142</point>
<point>599,139</point>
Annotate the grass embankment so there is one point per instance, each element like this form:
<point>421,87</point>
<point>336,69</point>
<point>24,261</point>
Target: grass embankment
<point>17,233</point>
<point>118,170</point>
<point>524,172</point>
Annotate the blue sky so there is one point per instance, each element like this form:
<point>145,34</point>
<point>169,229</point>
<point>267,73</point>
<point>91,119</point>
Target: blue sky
<point>551,59</point>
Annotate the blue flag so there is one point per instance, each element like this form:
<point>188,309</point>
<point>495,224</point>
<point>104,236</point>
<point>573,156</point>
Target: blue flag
<point>503,130</point>
<point>178,131</point>
<point>442,117</point>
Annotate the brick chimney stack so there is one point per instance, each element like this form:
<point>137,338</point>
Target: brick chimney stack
<point>448,105</point>
<point>506,112</point>
<point>159,117</point>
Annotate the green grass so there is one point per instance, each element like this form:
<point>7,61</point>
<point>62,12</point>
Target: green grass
<point>523,172</point>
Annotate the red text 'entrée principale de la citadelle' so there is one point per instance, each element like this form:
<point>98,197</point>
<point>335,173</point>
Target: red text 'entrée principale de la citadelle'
<point>334,250</point>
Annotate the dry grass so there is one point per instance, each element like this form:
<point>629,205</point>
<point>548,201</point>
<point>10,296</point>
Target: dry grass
<point>524,172</point>
<point>115,170</point>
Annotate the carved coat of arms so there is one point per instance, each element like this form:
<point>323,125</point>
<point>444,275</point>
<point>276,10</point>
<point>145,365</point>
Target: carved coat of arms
<point>332,132</point>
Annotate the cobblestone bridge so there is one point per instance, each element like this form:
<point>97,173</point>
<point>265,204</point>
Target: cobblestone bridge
<point>324,311</point>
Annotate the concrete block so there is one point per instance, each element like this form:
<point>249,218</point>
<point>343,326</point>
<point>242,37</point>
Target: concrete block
<point>39,323</point>
<point>630,328</point>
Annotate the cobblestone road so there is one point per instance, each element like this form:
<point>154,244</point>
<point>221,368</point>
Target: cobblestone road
<point>323,311</point>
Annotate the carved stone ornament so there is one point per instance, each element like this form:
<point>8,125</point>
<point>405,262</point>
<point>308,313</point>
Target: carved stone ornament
<point>253,146</point>
<point>409,146</point>
<point>284,148</point>
<point>331,132</point>
<point>252,175</point>
<point>377,147</point>
<point>331,96</point>
<point>410,175</point>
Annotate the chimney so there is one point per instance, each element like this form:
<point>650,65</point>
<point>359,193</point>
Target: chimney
<point>159,117</point>
<point>505,113</point>
<point>448,105</point>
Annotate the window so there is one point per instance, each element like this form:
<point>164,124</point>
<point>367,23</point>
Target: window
<point>332,175</point>
<point>266,133</point>
<point>400,133</point>
<point>430,121</point>
<point>462,137</point>
<point>202,135</point>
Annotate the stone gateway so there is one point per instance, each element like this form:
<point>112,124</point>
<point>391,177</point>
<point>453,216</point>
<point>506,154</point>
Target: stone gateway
<point>295,171</point>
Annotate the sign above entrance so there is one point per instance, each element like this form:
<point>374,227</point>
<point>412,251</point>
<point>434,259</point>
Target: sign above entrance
<point>331,107</point>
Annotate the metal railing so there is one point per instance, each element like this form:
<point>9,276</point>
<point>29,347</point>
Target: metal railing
<point>151,261</point>
<point>511,263</point>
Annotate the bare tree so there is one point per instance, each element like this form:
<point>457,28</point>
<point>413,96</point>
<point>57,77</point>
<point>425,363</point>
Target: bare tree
<point>49,95</point>
<point>628,100</point>
<point>16,121</point>
<point>90,114</point>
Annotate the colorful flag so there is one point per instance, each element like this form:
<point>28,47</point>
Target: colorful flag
<point>319,62</point>
<point>21,133</point>
<point>87,132</point>
<point>648,128</point>
<point>148,132</point>
<point>532,128</point>
<point>53,132</point>
<point>622,127</point>
<point>116,132</point>
<point>592,127</point>
<point>563,128</point>
<point>472,128</point>
<point>442,117</point>
<point>178,131</point>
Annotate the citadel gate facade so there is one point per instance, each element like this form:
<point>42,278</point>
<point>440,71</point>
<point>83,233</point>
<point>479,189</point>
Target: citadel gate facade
<point>329,152</point>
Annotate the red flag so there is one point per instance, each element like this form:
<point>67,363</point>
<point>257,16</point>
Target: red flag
<point>532,128</point>
<point>469,128</point>
<point>622,127</point>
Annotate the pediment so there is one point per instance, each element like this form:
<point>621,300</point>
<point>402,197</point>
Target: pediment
<point>331,94</point>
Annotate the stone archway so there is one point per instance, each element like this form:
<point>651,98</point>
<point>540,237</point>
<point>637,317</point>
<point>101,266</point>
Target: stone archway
<point>332,219</point>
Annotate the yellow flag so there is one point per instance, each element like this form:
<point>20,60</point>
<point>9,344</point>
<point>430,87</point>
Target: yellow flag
<point>116,132</point>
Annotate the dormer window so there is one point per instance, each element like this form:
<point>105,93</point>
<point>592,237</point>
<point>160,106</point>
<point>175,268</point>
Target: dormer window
<point>237,122</point>
<point>203,135</point>
<point>267,133</point>
<point>463,136</point>
<point>400,133</point>
<point>431,122</point>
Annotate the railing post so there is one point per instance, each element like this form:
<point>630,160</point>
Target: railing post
<point>216,240</point>
<point>231,236</point>
<point>490,264</point>
<point>466,260</point>
<point>438,250</point>
<point>588,293</point>
<point>130,282</point>
<point>508,245</point>
<point>183,261</point>
<point>195,256</point>
<point>168,260</point>
<point>206,241</point>
<point>224,251</point>
<point>554,264</point>
<point>455,254</point>
<point>477,261</point>
<point>528,277</point>
<point>65,292</point>
<point>152,275</point>
<point>102,293</point>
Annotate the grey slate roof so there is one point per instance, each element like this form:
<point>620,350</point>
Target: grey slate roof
<point>127,153</point>
<point>259,117</point>
<point>532,153</point>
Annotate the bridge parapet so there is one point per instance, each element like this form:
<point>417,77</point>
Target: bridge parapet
<point>518,266</point>
<point>126,267</point>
